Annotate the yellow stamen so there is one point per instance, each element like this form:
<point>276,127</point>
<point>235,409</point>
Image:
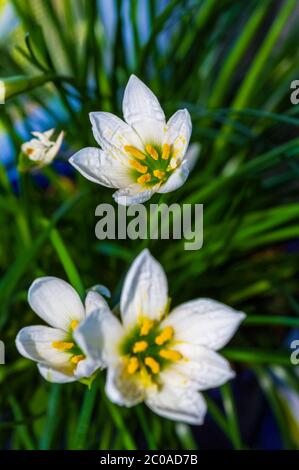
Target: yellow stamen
<point>135,152</point>
<point>159,174</point>
<point>140,346</point>
<point>152,364</point>
<point>133,365</point>
<point>165,151</point>
<point>62,345</point>
<point>146,327</point>
<point>78,358</point>
<point>170,354</point>
<point>144,178</point>
<point>140,168</point>
<point>74,324</point>
<point>29,151</point>
<point>164,336</point>
<point>152,151</point>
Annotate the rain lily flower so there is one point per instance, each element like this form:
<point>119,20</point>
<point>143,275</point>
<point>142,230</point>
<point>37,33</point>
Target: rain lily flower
<point>59,348</point>
<point>41,150</point>
<point>162,358</point>
<point>141,156</point>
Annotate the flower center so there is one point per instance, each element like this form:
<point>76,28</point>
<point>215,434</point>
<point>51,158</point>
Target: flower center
<point>29,151</point>
<point>148,349</point>
<point>70,346</point>
<point>152,165</point>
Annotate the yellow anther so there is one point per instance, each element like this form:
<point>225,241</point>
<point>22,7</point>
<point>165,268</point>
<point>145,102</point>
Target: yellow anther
<point>165,151</point>
<point>159,174</point>
<point>78,358</point>
<point>62,345</point>
<point>140,346</point>
<point>164,336</point>
<point>152,364</point>
<point>146,327</point>
<point>133,365</point>
<point>135,152</point>
<point>29,151</point>
<point>140,168</point>
<point>144,178</point>
<point>170,354</point>
<point>74,324</point>
<point>152,151</point>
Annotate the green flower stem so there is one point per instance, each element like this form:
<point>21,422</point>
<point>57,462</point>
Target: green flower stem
<point>79,441</point>
<point>25,213</point>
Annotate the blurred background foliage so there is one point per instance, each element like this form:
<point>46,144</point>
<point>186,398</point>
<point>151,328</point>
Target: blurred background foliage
<point>231,64</point>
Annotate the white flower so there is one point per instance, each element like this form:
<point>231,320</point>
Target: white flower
<point>60,353</point>
<point>162,358</point>
<point>142,155</point>
<point>41,150</point>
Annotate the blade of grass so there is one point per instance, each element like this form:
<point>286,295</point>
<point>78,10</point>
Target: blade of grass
<point>257,356</point>
<point>253,320</point>
<point>52,420</point>
<point>232,415</point>
<point>19,267</point>
<point>152,445</point>
<point>267,386</point>
<point>21,430</point>
<point>120,424</point>
<point>66,260</point>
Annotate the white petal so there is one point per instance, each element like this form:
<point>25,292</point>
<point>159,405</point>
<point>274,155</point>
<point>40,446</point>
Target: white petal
<point>179,128</point>
<point>53,151</point>
<point>145,291</point>
<point>55,301</point>
<point>122,390</point>
<point>112,133</point>
<point>176,180</point>
<point>36,150</point>
<point>192,155</point>
<point>35,343</point>
<point>94,301</point>
<point>99,336</point>
<point>89,337</point>
<point>180,404</point>
<point>142,110</point>
<point>86,368</point>
<point>204,322</point>
<point>201,368</point>
<point>55,375</point>
<point>134,194</point>
<point>101,168</point>
<point>43,136</point>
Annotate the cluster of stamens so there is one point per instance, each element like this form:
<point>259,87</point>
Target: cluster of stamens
<point>149,349</point>
<point>70,346</point>
<point>151,165</point>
